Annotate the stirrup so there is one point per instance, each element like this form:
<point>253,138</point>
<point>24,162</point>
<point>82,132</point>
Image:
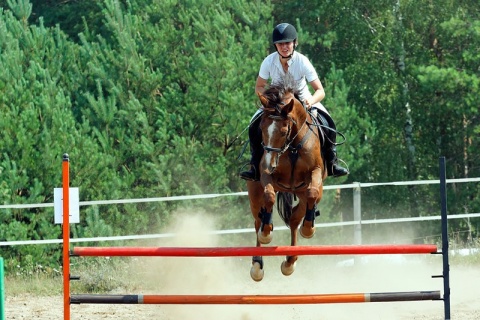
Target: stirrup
<point>335,170</point>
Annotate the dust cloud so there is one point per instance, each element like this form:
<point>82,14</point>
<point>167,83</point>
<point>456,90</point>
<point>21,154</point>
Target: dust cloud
<point>313,275</point>
<point>230,276</point>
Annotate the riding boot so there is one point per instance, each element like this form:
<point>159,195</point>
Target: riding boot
<point>330,151</point>
<point>333,168</point>
<point>256,149</point>
<point>254,173</point>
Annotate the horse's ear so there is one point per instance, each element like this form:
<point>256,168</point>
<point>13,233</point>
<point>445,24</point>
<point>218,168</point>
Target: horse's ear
<point>263,100</point>
<point>289,106</point>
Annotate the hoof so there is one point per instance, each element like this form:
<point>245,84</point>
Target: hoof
<point>265,238</point>
<point>307,230</point>
<point>307,233</point>
<point>286,271</point>
<point>256,272</point>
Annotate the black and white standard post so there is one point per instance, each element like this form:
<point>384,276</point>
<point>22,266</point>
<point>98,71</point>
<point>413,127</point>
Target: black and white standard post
<point>446,266</point>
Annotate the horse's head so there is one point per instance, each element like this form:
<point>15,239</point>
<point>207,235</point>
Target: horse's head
<point>281,110</point>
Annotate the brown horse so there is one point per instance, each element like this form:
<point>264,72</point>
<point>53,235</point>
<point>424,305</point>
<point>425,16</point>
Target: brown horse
<point>292,165</point>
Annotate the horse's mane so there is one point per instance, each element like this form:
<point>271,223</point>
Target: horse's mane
<point>277,91</point>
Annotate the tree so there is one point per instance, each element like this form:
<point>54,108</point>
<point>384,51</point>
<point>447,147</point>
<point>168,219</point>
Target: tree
<point>147,107</point>
<point>407,65</point>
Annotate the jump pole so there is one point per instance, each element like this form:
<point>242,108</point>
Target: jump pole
<point>66,237</point>
<point>257,299</point>
<point>247,251</point>
<point>251,251</point>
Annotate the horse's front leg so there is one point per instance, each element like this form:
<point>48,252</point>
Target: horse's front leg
<point>264,235</point>
<point>314,195</point>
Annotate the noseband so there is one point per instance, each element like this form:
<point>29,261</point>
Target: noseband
<point>288,141</point>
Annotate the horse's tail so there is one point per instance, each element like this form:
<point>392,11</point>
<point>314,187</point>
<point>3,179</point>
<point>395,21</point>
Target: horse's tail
<point>285,206</point>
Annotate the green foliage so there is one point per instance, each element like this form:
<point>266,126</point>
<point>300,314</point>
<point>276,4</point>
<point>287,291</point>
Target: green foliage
<point>22,9</point>
<point>143,105</point>
<point>411,70</point>
<point>147,97</point>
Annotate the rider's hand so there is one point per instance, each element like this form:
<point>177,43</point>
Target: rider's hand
<point>307,103</point>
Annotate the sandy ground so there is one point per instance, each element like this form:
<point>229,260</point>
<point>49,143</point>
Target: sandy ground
<point>312,275</point>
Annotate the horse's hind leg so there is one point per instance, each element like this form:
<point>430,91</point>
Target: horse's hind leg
<point>256,271</point>
<point>288,265</point>
<point>255,193</point>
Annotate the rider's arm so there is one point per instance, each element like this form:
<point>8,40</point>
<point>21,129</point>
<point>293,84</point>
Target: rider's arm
<point>318,95</point>
<point>260,85</point>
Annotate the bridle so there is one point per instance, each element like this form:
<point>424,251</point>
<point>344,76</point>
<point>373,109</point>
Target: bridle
<point>287,146</point>
<point>288,141</point>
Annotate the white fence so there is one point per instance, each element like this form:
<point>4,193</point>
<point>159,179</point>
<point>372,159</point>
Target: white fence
<point>357,222</point>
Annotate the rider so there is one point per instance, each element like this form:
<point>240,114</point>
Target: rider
<point>275,66</point>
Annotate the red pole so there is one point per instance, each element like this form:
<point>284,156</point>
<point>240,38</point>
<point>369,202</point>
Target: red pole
<point>251,251</point>
<point>66,238</point>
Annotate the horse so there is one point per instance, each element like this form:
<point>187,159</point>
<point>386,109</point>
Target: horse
<point>292,166</point>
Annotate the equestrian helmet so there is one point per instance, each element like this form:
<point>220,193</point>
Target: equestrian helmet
<point>284,32</point>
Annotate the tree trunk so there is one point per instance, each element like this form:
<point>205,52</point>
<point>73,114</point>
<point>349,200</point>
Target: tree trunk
<point>408,128</point>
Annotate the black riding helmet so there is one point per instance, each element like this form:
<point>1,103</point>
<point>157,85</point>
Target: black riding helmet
<point>284,32</point>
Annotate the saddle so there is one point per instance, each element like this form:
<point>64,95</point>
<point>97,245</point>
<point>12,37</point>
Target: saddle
<point>324,124</point>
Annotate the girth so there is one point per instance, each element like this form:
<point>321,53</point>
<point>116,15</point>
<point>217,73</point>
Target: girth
<point>293,156</point>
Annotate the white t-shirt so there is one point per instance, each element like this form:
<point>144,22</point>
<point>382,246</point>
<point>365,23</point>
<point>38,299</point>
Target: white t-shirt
<point>299,67</point>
